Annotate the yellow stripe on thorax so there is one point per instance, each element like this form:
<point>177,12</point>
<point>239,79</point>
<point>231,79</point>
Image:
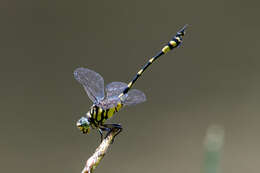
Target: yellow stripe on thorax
<point>99,114</point>
<point>113,110</point>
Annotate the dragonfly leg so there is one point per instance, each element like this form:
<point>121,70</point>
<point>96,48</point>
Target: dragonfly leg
<point>101,130</point>
<point>109,127</point>
<point>101,134</point>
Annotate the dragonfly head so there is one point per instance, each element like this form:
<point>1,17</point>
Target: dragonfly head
<point>83,124</point>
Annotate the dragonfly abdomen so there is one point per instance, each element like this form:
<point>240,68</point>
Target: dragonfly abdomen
<point>173,43</point>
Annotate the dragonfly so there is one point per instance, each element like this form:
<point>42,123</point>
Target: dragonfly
<point>110,99</point>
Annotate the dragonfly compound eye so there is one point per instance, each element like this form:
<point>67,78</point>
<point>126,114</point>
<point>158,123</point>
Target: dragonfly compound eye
<point>83,125</point>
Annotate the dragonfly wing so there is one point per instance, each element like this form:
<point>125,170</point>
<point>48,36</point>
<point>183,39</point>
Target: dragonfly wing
<point>134,97</point>
<point>113,90</point>
<point>109,102</point>
<point>92,82</point>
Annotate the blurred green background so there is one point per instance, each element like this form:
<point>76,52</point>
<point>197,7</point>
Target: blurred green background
<point>213,78</point>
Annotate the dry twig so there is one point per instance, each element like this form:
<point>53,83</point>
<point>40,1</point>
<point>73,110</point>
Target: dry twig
<point>100,152</point>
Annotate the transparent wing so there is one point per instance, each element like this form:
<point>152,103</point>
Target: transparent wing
<point>115,88</point>
<point>112,92</point>
<point>134,97</point>
<point>92,82</point>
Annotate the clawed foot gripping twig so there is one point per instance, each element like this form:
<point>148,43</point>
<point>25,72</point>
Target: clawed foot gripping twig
<point>100,152</point>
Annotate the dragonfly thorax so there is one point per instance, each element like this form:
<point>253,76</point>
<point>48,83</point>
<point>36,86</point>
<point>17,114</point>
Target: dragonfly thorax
<point>98,115</point>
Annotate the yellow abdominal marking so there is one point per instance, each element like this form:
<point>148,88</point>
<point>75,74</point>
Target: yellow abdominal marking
<point>173,43</point>
<point>178,38</point>
<point>140,72</point>
<point>121,95</point>
<point>166,49</point>
<point>129,85</point>
<point>151,60</point>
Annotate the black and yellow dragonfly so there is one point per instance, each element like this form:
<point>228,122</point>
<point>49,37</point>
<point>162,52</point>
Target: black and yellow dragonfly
<point>110,99</point>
